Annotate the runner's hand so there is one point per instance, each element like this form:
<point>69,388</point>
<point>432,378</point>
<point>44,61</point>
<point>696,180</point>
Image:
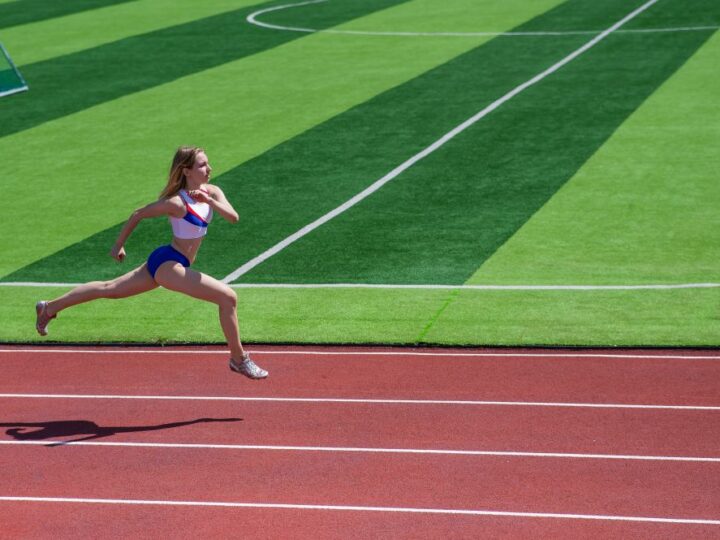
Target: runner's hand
<point>199,195</point>
<point>118,253</point>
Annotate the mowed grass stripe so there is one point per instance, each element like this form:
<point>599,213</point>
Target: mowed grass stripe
<point>29,11</point>
<point>442,218</point>
<point>77,81</point>
<point>31,43</point>
<point>657,179</point>
<point>679,14</point>
<point>282,94</point>
<point>445,15</point>
<point>657,220</point>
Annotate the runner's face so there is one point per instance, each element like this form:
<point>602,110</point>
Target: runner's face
<point>200,171</point>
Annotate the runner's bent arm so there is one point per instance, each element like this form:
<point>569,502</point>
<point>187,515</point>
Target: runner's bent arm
<point>215,197</point>
<point>162,207</point>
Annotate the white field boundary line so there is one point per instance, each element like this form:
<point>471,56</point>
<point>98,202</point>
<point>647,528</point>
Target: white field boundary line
<point>362,401</point>
<point>252,19</point>
<point>159,351</point>
<point>478,287</point>
<point>430,149</point>
<point>340,449</point>
<point>344,508</point>
<point>659,286</point>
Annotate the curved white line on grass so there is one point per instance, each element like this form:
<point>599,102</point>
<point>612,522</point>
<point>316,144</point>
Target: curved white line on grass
<point>338,508</point>
<point>341,449</point>
<point>659,286</point>
<point>430,149</point>
<point>128,352</point>
<point>372,401</point>
<point>252,19</point>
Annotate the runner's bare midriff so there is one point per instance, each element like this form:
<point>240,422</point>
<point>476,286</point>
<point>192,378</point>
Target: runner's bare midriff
<point>187,246</point>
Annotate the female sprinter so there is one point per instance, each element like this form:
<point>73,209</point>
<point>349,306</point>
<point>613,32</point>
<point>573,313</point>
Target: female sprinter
<point>189,201</point>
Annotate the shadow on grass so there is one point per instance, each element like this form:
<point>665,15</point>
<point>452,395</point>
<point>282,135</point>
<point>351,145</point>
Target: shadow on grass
<point>87,430</point>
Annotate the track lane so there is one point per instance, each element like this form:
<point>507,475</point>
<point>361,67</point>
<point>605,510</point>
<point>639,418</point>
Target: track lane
<point>446,427</point>
<point>585,487</point>
<point>49,520</point>
<point>546,379</point>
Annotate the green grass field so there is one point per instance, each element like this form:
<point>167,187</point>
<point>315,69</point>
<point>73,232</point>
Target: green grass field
<point>580,209</point>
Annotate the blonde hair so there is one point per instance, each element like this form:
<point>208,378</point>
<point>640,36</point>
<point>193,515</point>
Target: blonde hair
<point>184,158</point>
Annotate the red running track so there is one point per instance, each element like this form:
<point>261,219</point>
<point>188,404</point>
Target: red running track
<point>617,461</point>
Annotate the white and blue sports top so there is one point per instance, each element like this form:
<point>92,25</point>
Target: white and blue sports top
<point>194,223</point>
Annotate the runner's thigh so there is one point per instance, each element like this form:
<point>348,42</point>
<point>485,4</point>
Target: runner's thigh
<point>174,276</point>
<point>134,282</point>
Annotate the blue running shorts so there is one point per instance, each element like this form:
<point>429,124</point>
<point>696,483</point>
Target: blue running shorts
<point>164,254</point>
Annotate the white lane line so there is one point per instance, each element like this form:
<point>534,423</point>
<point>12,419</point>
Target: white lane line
<point>37,284</point>
<point>127,352</point>
<point>430,149</point>
<point>369,401</point>
<point>431,286</point>
<point>652,286</point>
<point>344,508</point>
<point>253,19</point>
<point>340,449</point>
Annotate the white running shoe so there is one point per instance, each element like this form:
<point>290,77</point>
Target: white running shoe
<point>248,368</point>
<point>42,318</point>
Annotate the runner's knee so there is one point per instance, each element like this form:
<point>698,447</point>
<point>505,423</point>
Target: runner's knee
<point>228,298</point>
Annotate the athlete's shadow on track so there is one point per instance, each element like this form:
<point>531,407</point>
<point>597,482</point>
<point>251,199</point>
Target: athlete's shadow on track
<point>23,431</point>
